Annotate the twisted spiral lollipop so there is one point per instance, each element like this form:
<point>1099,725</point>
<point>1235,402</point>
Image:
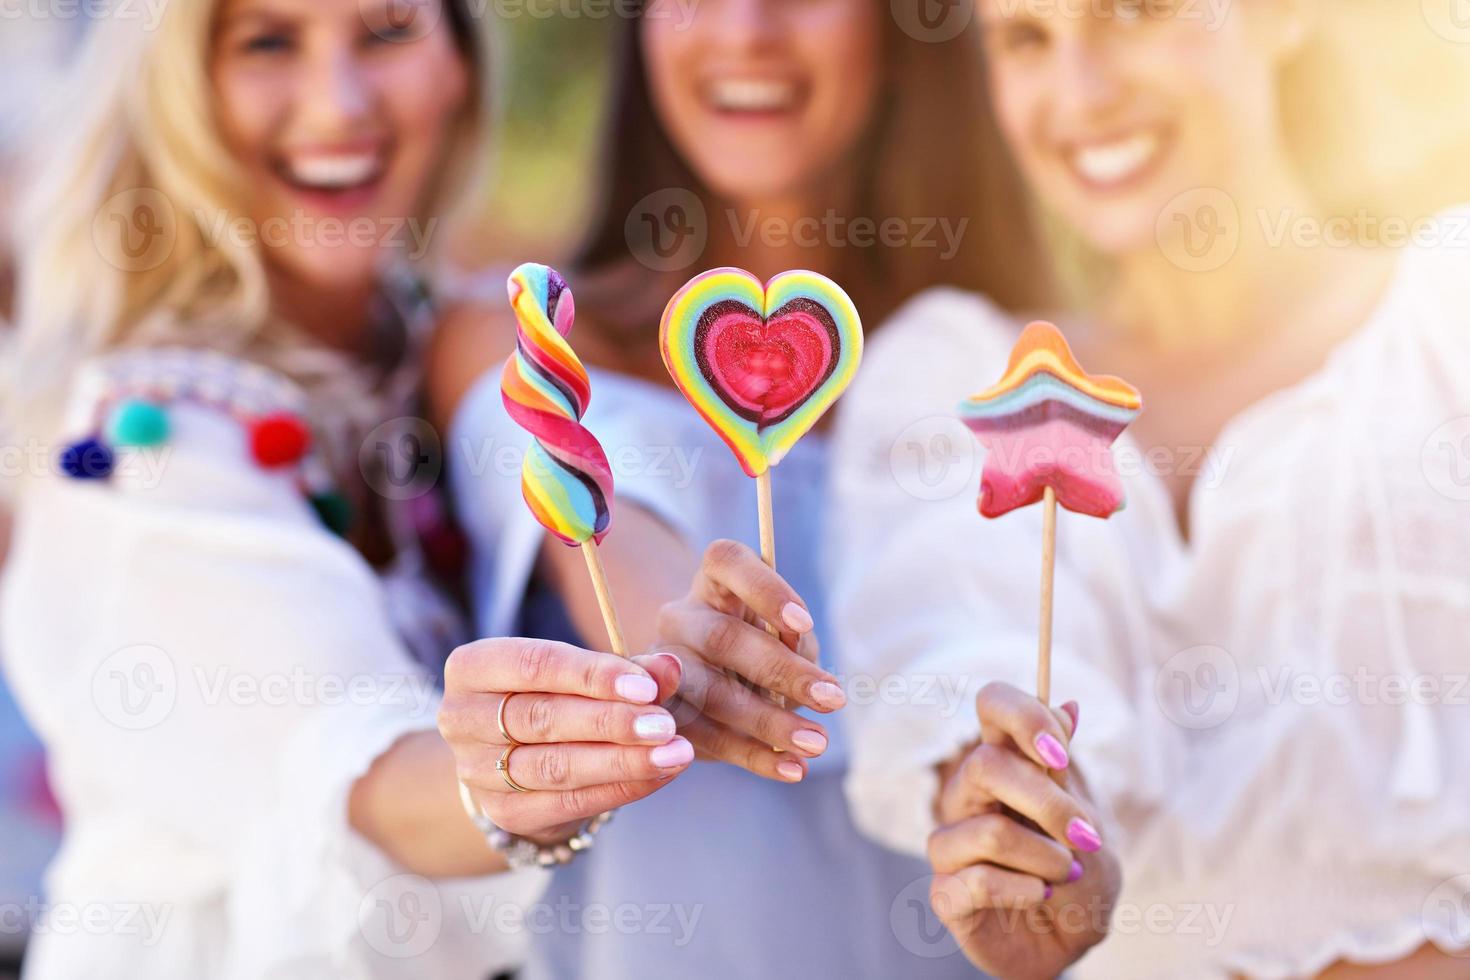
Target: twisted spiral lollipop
<point>565,478</point>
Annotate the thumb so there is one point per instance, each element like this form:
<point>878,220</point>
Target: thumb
<point>1067,715</point>
<point>666,669</point>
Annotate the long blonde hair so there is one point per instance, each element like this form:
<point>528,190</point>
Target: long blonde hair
<point>135,141</point>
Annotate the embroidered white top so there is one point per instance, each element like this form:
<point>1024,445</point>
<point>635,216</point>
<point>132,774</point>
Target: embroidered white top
<point>1271,709</point>
<point>211,669</point>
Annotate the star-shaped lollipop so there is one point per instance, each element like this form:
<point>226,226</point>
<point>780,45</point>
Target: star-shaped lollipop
<point>1049,427</point>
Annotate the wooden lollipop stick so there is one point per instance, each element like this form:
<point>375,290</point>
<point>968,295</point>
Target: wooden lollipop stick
<point>1048,577</point>
<point>604,599</point>
<point>768,551</point>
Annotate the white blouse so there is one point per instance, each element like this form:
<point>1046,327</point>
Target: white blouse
<point>211,669</point>
<point>1270,710</point>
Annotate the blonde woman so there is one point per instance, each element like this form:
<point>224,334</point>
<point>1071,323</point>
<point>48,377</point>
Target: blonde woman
<point>219,611</point>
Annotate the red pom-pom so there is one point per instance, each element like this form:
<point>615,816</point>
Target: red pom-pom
<point>279,440</point>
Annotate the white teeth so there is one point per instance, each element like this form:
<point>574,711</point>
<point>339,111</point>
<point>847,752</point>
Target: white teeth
<point>1112,163</point>
<point>333,172</point>
<point>752,95</point>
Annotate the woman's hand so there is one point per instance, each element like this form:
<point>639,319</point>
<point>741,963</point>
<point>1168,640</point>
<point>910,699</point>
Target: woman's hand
<point>1022,879</point>
<point>587,732</point>
<point>710,631</point>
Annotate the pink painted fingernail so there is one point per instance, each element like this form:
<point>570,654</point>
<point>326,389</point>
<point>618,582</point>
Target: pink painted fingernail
<point>656,728</point>
<point>797,618</point>
<point>789,771</point>
<point>1074,711</point>
<point>1076,873</point>
<point>637,688</point>
<point>676,753</point>
<point>1046,896</point>
<point>1051,751</point>
<point>827,695</point>
<point>810,740</point>
<point>1083,835</point>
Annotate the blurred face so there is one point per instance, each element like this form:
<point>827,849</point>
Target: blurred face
<point>1113,108</point>
<point>339,113</point>
<point>764,98</point>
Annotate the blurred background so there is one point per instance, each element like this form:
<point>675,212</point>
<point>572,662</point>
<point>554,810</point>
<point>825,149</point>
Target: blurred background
<point>1381,93</point>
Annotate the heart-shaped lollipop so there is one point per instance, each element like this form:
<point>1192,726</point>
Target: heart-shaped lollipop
<point>761,364</point>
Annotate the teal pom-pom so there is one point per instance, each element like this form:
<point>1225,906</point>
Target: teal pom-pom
<point>136,422</point>
<point>334,510</point>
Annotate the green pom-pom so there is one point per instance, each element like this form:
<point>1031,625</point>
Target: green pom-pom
<point>334,510</point>
<point>137,423</point>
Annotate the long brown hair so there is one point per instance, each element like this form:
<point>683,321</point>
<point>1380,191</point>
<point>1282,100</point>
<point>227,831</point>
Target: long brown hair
<point>932,151</point>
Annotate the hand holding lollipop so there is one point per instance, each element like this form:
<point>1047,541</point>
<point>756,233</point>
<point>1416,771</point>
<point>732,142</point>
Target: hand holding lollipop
<point>761,363</point>
<point>565,478</point>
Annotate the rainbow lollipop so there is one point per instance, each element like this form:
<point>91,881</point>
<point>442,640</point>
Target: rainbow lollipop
<point>565,478</point>
<point>1049,427</point>
<point>761,364</point>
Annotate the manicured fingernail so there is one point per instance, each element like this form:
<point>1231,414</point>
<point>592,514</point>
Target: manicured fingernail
<point>675,662</point>
<point>637,688</point>
<point>789,771</point>
<point>1083,835</point>
<point>1046,896</point>
<point>1074,711</point>
<point>1051,751</point>
<point>676,753</point>
<point>797,618</point>
<point>809,740</point>
<point>1076,873</point>
<point>657,727</point>
<point>827,695</point>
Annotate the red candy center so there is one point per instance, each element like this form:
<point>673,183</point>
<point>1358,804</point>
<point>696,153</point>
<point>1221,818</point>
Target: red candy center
<point>764,370</point>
